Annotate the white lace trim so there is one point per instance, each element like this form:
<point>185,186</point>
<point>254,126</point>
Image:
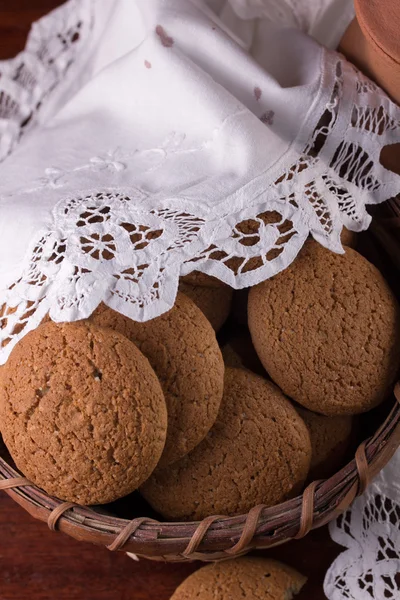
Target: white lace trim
<point>127,247</point>
<point>26,81</point>
<point>369,569</point>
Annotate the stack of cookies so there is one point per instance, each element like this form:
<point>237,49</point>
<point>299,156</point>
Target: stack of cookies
<point>201,415</point>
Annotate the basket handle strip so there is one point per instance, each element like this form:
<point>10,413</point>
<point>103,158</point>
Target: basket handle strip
<point>307,510</point>
<point>359,486</point>
<point>126,533</point>
<point>8,484</point>
<point>249,530</point>
<point>251,524</point>
<point>57,513</point>
<point>362,469</point>
<point>199,535</point>
<point>363,477</point>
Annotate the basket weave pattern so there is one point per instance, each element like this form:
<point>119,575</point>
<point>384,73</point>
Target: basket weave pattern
<point>219,537</point>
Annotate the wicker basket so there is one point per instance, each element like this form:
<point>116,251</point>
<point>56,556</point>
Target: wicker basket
<point>218,537</point>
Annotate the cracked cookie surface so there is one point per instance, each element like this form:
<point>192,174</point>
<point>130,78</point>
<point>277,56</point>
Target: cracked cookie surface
<point>72,426</point>
<point>258,452</point>
<point>252,578</point>
<point>327,330</point>
<point>330,441</point>
<point>183,351</point>
<point>214,303</point>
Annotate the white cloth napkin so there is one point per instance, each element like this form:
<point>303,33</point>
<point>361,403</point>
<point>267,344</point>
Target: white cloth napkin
<point>324,20</point>
<point>146,139</point>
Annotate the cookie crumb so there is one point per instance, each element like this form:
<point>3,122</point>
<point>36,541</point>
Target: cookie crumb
<point>268,117</point>
<point>165,39</point>
<point>257,93</point>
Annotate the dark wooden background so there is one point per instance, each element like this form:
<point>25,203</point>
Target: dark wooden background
<point>36,564</point>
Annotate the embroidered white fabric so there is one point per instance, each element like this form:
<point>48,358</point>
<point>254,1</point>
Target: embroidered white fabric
<point>369,569</point>
<point>28,80</point>
<point>325,20</point>
<point>152,143</point>
<point>144,139</point>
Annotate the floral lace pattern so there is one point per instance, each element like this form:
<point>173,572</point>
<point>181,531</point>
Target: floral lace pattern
<point>110,235</point>
<point>128,248</point>
<point>370,530</point>
<point>27,80</point>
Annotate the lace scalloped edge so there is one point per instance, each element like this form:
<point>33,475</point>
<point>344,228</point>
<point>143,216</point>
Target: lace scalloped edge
<point>126,249</point>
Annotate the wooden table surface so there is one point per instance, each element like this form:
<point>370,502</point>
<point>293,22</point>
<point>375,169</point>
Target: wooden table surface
<point>37,564</point>
<point>40,565</point>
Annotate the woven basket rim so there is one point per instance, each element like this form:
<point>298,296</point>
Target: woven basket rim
<point>219,537</point>
<point>215,537</point>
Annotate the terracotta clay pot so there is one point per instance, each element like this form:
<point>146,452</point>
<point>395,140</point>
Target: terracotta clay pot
<point>372,43</point>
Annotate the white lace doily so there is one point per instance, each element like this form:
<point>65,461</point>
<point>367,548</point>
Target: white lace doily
<point>152,144</point>
<point>144,139</point>
<point>370,530</point>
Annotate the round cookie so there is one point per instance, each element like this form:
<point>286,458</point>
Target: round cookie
<point>183,351</point>
<point>231,357</point>
<point>239,352</point>
<point>214,303</point>
<point>330,441</point>
<point>202,280</point>
<point>83,413</point>
<point>252,578</point>
<point>349,238</point>
<point>327,330</point>
<point>258,452</point>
